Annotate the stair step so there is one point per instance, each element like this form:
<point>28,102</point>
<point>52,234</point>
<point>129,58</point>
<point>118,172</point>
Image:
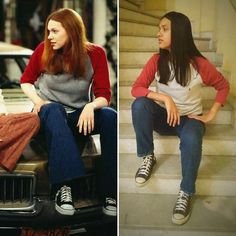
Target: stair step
<point>137,28</point>
<point>128,27</point>
<point>150,214</point>
<point>224,116</point>
<point>216,175</point>
<point>16,101</point>
<point>141,57</point>
<point>138,42</point>
<point>128,5</point>
<point>128,42</point>
<point>218,140</point>
<point>131,14</point>
<point>19,106</point>
<point>129,74</point>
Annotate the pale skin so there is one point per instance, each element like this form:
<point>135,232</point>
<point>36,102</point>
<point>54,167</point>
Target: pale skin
<point>58,37</point>
<point>173,116</point>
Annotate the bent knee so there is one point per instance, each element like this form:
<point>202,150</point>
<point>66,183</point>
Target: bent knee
<point>109,114</point>
<point>139,103</point>
<point>52,106</point>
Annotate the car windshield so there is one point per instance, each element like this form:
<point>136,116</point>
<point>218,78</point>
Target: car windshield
<point>11,69</point>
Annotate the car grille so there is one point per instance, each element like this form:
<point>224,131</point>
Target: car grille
<point>86,191</point>
<point>16,192</point>
<point>86,187</point>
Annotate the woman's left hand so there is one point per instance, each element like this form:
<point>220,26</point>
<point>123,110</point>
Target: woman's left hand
<point>206,118</point>
<point>86,119</point>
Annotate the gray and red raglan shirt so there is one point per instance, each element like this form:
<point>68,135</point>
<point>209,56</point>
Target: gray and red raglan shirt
<point>71,92</point>
<point>188,99</point>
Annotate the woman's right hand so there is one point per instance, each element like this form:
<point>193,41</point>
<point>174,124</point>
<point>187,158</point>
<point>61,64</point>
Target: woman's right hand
<point>38,106</point>
<point>31,93</point>
<point>173,117</point>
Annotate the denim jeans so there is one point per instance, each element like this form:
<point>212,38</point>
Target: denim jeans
<point>148,116</point>
<point>62,136</point>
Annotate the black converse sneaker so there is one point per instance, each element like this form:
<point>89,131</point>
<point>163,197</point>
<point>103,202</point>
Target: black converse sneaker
<point>110,207</point>
<point>63,201</point>
<point>182,208</point>
<point>145,170</point>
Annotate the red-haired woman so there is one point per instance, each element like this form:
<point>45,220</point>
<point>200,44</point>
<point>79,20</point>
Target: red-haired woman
<point>64,67</point>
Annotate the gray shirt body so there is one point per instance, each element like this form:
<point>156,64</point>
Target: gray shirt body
<point>66,89</point>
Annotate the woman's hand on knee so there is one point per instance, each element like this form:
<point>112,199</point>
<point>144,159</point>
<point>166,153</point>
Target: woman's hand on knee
<point>203,118</point>
<point>38,106</point>
<point>86,120</point>
<point>173,117</point>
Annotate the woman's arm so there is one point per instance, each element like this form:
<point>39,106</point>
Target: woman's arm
<point>101,83</point>
<point>173,117</point>
<point>99,102</point>
<point>101,89</point>
<point>210,115</point>
<point>31,93</point>
<point>86,119</point>
<point>214,78</point>
<point>140,87</point>
<point>30,75</point>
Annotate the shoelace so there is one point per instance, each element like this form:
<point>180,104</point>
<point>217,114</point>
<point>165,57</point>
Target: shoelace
<point>182,201</point>
<point>111,201</point>
<point>66,194</point>
<point>146,165</point>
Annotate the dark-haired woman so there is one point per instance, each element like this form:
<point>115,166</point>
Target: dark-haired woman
<point>175,107</point>
<point>64,67</point>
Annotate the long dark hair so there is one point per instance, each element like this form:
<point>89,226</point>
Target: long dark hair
<point>182,50</point>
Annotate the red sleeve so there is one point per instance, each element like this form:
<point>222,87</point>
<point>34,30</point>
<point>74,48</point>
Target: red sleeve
<point>212,77</point>
<point>101,83</point>
<point>147,75</point>
<point>34,67</point>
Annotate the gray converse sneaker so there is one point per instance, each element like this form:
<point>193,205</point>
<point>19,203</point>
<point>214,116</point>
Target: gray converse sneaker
<point>110,207</point>
<point>145,170</point>
<point>182,208</point>
<point>63,201</point>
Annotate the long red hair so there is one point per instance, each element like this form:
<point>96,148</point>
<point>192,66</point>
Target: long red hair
<point>70,59</point>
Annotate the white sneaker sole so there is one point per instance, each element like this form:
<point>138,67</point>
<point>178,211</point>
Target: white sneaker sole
<point>64,211</point>
<point>109,213</point>
<point>144,183</point>
<point>180,221</point>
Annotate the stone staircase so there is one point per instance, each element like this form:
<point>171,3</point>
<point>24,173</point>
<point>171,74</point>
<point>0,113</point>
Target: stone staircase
<point>147,210</point>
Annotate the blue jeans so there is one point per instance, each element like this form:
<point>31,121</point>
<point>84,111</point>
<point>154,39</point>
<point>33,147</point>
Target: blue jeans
<point>62,136</point>
<point>148,116</point>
